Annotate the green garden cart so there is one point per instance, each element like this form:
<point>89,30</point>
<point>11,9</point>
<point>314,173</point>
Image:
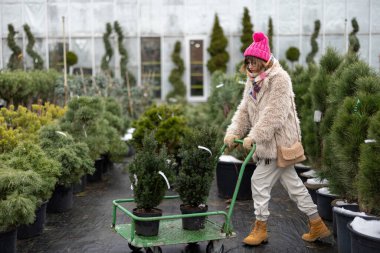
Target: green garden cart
<point>171,231</point>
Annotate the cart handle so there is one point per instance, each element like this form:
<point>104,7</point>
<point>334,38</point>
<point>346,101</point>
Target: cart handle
<point>227,227</point>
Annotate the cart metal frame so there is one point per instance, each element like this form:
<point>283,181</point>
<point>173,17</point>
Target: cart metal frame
<point>171,231</point>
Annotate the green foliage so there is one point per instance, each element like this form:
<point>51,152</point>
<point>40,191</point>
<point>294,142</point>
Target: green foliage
<point>27,156</point>
<point>149,186</point>
<point>20,87</point>
<point>38,62</point>
<point>175,77</point>
<point>247,31</point>
<point>168,123</point>
<point>73,158</point>
<point>226,94</point>
<point>313,42</point>
<point>109,51</point>
<point>71,58</point>
<point>123,56</point>
<point>219,57</point>
<point>369,170</point>
<point>17,196</point>
<point>270,34</point>
<point>15,60</point>
<point>84,120</point>
<point>318,95</point>
<point>23,124</point>
<point>348,132</point>
<point>197,168</point>
<point>293,54</point>
<point>354,44</point>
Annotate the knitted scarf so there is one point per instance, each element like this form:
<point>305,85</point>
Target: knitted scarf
<point>257,80</point>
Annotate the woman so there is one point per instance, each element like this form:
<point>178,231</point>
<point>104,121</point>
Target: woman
<point>267,117</point>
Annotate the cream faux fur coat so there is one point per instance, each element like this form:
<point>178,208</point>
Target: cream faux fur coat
<point>271,114</point>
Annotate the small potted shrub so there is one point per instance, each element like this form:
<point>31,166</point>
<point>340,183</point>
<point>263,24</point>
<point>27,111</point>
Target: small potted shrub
<point>199,157</point>
<point>84,120</point>
<point>30,157</point>
<point>74,162</point>
<point>149,186</point>
<point>17,202</point>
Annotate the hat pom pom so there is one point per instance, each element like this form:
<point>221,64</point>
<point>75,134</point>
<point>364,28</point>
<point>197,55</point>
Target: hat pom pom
<point>257,37</point>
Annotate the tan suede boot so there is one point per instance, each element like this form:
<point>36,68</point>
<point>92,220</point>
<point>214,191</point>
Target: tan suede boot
<point>318,230</point>
<point>258,234</point>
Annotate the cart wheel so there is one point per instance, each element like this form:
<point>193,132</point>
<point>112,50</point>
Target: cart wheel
<point>134,248</point>
<point>154,249</point>
<point>211,248</point>
<point>192,248</point>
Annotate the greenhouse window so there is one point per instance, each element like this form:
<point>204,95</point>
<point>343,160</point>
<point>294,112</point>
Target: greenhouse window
<point>151,63</point>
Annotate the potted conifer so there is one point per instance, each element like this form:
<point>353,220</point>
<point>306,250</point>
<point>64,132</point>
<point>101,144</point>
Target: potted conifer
<point>199,157</point>
<point>146,174</point>
<point>74,162</point>
<point>18,202</point>
<point>30,157</point>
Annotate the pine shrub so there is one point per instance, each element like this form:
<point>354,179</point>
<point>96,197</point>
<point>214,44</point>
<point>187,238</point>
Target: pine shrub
<point>168,123</point>
<point>219,57</point>
<point>270,34</point>
<point>197,168</point>
<point>18,200</point>
<point>73,157</point>
<point>149,186</point>
<point>369,170</point>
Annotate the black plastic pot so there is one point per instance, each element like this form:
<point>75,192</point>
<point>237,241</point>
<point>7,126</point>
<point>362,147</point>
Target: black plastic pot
<point>36,228</point>
<point>343,234</point>
<point>361,243</point>
<point>97,176</point>
<point>81,186</point>
<point>8,241</point>
<point>147,228</point>
<point>324,205</point>
<point>348,206</point>
<point>61,201</point>
<point>312,189</point>
<point>300,168</point>
<point>193,223</point>
<point>226,177</point>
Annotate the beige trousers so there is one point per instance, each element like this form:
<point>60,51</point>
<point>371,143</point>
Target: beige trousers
<point>262,181</point>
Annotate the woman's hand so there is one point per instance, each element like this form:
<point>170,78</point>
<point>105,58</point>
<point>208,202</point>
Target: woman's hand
<point>248,143</point>
<point>229,140</point>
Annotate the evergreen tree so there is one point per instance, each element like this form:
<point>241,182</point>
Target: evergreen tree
<point>15,60</point>
<point>175,77</point>
<point>149,186</point>
<point>353,39</point>
<point>270,34</point>
<point>198,166</point>
<point>368,180</point>
<point>38,63</point>
<point>219,57</point>
<point>318,91</point>
<point>313,42</point>
<point>247,32</point>
<point>123,56</point>
<point>109,51</point>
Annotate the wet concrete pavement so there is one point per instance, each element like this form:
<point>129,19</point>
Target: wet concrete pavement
<point>87,227</point>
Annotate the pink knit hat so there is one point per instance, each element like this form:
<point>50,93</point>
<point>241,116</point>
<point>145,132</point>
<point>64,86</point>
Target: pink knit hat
<point>259,48</point>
